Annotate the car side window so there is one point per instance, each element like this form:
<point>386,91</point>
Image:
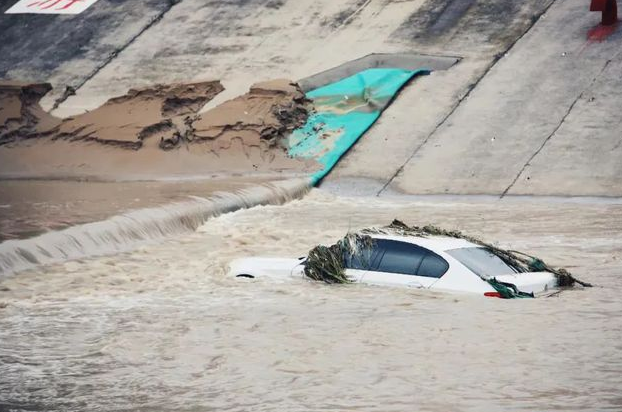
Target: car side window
<point>400,257</point>
<point>364,258</point>
<point>433,266</point>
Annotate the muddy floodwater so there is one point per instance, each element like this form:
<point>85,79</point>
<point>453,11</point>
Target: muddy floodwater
<point>31,207</point>
<point>162,328</point>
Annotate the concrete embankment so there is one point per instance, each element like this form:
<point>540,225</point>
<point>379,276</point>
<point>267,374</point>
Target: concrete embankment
<point>67,50</point>
<point>529,109</point>
<point>545,120</point>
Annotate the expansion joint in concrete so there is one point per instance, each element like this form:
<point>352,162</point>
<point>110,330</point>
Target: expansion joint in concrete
<point>354,14</point>
<point>71,90</point>
<point>557,127</point>
<point>470,89</point>
<point>438,125</point>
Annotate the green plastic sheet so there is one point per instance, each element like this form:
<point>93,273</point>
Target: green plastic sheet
<point>345,111</point>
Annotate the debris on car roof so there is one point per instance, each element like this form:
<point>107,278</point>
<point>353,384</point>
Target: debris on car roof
<point>327,263</point>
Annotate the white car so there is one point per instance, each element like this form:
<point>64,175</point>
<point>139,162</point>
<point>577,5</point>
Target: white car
<point>439,263</point>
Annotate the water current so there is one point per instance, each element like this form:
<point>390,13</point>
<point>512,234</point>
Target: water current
<point>31,207</point>
<point>163,328</point>
<point>124,231</point>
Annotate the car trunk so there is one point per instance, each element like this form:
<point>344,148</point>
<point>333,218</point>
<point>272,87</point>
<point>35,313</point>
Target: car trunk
<point>491,268</point>
<point>530,282</point>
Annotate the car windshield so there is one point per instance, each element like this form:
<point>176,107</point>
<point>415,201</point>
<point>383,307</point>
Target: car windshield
<point>481,261</point>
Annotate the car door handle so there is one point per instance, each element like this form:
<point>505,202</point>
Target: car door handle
<point>415,285</point>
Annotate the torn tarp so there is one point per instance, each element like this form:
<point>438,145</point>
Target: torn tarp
<point>345,110</point>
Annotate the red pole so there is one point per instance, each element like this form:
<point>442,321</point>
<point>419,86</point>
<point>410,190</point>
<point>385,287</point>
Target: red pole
<point>609,8</point>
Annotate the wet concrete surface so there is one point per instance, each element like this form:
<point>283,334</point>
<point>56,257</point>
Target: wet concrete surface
<point>480,33</point>
<point>436,136</point>
<point>543,121</point>
<point>239,41</point>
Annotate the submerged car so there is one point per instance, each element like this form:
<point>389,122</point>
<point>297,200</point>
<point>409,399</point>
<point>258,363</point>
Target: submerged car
<point>435,262</point>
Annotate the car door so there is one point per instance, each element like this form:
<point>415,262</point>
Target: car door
<point>398,264</point>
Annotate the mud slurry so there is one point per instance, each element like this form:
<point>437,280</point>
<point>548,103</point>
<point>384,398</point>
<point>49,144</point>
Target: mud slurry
<point>20,112</point>
<point>128,121</point>
<point>262,118</point>
<point>139,129</point>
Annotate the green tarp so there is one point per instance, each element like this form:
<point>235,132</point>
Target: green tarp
<point>345,110</point>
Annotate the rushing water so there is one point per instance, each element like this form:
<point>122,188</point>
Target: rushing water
<point>31,207</point>
<point>125,231</point>
<point>162,328</point>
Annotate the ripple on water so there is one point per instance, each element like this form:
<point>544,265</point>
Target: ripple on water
<point>163,328</point>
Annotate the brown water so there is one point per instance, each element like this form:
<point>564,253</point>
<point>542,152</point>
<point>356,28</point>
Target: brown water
<point>163,328</point>
<point>32,207</point>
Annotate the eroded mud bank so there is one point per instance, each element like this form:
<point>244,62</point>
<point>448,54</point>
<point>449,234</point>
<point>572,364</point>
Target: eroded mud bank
<point>155,130</point>
<point>21,116</point>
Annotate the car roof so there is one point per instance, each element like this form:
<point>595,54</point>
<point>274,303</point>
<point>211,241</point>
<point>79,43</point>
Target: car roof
<point>434,243</point>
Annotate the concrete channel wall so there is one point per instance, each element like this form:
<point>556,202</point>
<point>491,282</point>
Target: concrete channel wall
<point>68,50</point>
<point>545,120</point>
<point>530,108</point>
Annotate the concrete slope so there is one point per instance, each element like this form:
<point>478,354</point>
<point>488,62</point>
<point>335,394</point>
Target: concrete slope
<point>583,156</point>
<point>544,120</point>
<point>479,32</point>
<point>242,42</point>
<point>540,119</point>
<point>67,50</point>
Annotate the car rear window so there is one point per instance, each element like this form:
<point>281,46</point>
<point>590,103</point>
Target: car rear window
<point>481,261</point>
<point>433,266</point>
<point>400,257</point>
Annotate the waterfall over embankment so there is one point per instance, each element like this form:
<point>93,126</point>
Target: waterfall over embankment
<point>123,232</point>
